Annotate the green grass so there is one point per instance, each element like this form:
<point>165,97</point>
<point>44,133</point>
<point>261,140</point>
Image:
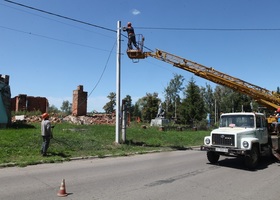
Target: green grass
<point>21,144</point>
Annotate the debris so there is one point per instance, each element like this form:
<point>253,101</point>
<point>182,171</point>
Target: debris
<point>109,119</point>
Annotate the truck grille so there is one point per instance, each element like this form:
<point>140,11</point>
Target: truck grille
<point>222,139</point>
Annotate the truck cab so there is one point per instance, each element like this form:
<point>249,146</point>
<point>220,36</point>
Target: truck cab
<point>239,134</point>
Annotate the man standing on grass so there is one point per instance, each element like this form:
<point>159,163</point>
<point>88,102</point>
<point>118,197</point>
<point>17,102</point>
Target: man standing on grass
<point>46,132</point>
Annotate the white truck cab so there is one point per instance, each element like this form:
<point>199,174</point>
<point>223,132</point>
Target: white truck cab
<point>239,134</point>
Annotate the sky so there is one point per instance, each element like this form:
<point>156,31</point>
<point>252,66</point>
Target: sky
<point>48,55</point>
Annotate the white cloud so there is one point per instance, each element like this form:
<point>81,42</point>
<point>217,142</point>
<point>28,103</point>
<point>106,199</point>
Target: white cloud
<point>136,12</point>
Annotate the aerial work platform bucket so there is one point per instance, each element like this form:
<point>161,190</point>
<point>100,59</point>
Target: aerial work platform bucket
<point>137,53</point>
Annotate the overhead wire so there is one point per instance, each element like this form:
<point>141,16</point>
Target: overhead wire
<point>61,16</point>
<point>208,29</point>
<point>105,67</point>
<point>51,38</point>
<point>205,29</point>
<point>99,80</point>
<point>52,19</point>
<point>146,28</point>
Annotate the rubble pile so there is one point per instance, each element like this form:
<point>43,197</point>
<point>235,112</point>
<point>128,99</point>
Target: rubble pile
<point>87,120</point>
<point>94,119</point>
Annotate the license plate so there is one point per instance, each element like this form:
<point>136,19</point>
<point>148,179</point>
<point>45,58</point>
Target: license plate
<point>222,150</point>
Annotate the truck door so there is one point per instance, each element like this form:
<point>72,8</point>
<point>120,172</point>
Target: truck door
<point>261,130</point>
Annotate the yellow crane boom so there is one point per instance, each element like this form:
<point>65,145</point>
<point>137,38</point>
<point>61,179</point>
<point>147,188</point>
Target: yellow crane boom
<point>263,96</point>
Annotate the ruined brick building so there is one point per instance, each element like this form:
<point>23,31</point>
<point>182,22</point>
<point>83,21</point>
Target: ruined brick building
<point>22,102</point>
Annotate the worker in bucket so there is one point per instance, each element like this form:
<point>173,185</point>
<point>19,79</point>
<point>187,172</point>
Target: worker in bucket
<point>46,132</point>
<point>131,36</point>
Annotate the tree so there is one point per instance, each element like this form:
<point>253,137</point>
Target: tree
<point>149,106</point>
<point>66,107</point>
<point>129,105</point>
<point>208,98</point>
<point>192,108</point>
<point>53,109</point>
<point>229,100</point>
<point>136,111</point>
<point>172,95</point>
<point>224,99</point>
<point>110,106</point>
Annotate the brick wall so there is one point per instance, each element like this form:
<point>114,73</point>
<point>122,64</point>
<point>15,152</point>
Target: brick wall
<point>79,104</point>
<point>22,102</point>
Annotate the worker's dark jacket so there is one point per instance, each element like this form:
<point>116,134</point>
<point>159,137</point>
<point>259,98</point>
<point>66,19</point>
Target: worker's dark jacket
<point>130,31</point>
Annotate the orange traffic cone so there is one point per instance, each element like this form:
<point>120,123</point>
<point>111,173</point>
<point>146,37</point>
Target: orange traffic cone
<point>62,189</point>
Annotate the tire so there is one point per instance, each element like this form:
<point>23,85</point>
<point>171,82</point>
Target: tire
<point>212,157</point>
<point>251,159</point>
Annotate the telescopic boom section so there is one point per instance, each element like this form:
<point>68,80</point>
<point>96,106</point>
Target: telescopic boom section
<point>265,97</point>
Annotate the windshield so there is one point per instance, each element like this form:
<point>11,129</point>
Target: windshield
<point>237,121</point>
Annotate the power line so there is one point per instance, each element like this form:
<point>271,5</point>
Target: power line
<point>52,19</point>
<point>57,15</point>
<point>101,76</point>
<point>208,29</point>
<point>103,69</point>
<point>148,28</point>
<point>51,38</point>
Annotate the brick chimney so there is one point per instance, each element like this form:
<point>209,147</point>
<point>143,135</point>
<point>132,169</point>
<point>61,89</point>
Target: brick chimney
<point>79,104</point>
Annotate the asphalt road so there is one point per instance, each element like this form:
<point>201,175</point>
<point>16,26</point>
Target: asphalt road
<point>168,175</point>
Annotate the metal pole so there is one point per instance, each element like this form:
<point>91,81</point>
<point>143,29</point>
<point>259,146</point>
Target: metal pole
<point>118,85</point>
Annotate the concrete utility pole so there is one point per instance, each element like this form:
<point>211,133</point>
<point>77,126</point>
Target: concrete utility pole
<point>118,85</point>
<point>124,119</point>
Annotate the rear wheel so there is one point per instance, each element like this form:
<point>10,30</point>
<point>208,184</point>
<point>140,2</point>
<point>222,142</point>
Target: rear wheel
<point>212,156</point>
<point>252,158</point>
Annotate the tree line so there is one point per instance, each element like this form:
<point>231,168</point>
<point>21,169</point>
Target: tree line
<point>188,103</point>
<point>183,103</point>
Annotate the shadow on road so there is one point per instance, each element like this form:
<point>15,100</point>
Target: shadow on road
<point>238,163</point>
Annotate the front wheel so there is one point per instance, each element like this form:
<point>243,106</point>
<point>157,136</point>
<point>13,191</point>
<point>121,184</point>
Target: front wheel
<point>213,157</point>
<point>252,158</point>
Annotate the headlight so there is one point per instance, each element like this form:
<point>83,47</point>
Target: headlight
<point>245,144</point>
<point>207,141</point>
